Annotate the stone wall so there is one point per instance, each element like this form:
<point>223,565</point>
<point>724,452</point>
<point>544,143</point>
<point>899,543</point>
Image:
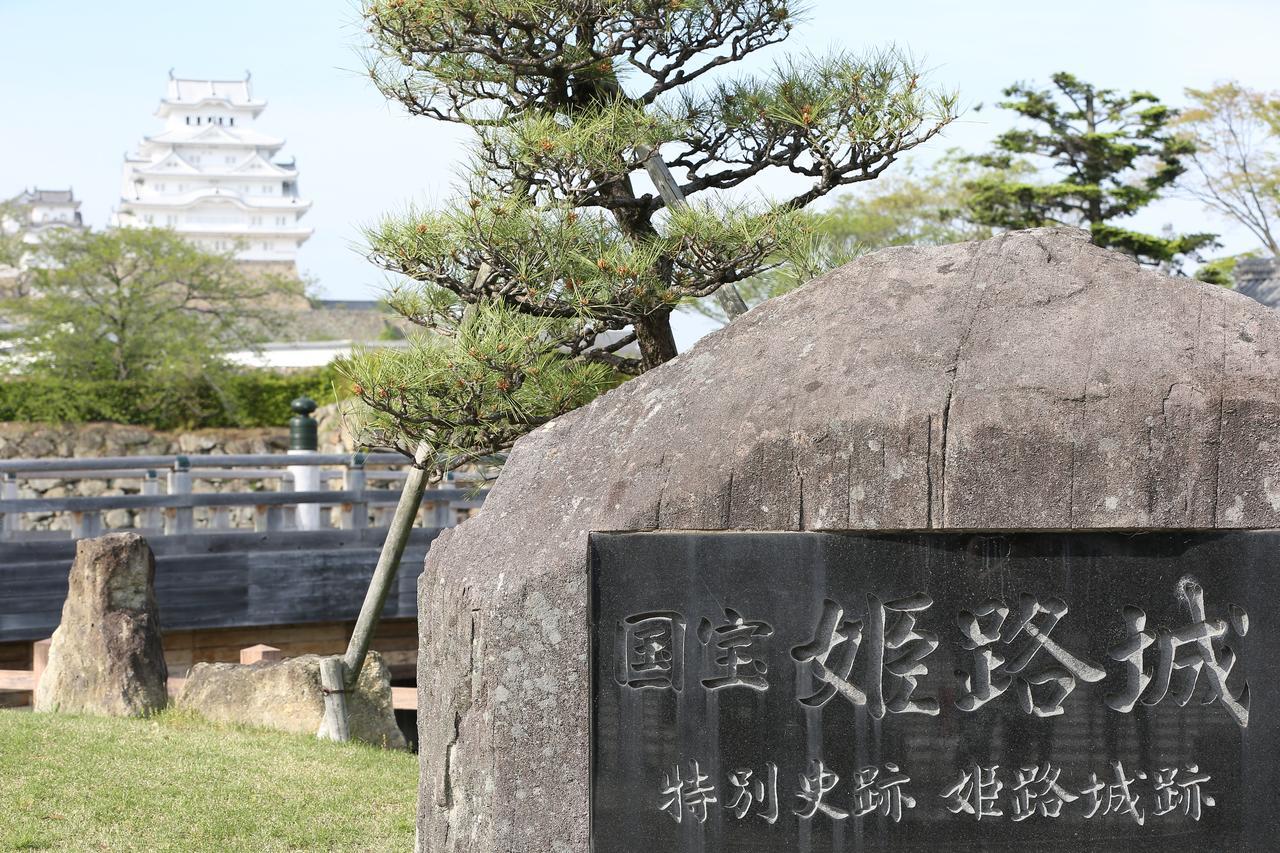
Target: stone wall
<point>81,441</point>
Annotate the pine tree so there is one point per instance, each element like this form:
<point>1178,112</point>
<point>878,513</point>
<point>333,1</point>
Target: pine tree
<point>1111,154</point>
<point>558,261</point>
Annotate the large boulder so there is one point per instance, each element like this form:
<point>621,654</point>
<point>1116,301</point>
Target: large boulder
<point>287,695</point>
<point>106,656</point>
<point>1032,381</point>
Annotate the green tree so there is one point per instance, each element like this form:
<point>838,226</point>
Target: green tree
<point>13,227</point>
<point>1107,155</point>
<point>1234,135</point>
<point>919,206</point>
<point>555,272</point>
<point>140,306</point>
<point>1222,271</point>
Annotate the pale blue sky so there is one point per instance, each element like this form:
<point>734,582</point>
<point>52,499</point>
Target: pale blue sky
<point>79,81</point>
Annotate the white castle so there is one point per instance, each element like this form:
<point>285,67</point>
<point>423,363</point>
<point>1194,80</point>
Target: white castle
<point>211,176</point>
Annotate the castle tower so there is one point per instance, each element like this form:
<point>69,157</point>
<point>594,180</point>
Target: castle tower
<point>212,176</point>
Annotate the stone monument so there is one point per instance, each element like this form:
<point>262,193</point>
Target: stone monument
<point>970,546</point>
<point>107,655</point>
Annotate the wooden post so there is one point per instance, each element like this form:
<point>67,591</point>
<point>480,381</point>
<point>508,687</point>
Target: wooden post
<point>179,520</point>
<point>441,515</point>
<point>260,652</point>
<point>354,515</point>
<point>262,518</point>
<point>332,681</point>
<point>39,662</point>
<point>86,525</point>
<point>10,522</point>
<point>151,518</point>
<point>384,574</point>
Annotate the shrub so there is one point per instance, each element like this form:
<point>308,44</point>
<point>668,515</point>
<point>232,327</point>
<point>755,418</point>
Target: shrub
<point>246,398</point>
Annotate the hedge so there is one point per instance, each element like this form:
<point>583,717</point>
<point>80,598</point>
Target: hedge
<point>255,398</point>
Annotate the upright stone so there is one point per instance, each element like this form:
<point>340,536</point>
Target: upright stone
<point>106,656</point>
<point>1033,382</point>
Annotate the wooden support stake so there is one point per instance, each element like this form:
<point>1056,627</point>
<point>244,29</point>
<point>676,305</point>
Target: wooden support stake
<point>332,680</point>
<point>384,574</point>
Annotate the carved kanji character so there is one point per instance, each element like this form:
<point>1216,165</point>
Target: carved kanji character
<point>689,793</point>
<point>976,793</point>
<point>891,645</point>
<point>1174,664</point>
<point>753,793</point>
<point>734,641</point>
<point>814,787</point>
<point>650,651</point>
<point>992,674</point>
<point>1172,792</point>
<point>1119,798</point>
<point>1037,791</point>
<point>881,791</point>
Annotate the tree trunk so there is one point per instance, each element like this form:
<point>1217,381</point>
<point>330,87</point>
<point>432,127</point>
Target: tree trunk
<point>657,343</point>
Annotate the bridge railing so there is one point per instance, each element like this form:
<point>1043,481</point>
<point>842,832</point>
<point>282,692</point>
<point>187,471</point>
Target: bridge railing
<point>166,505</point>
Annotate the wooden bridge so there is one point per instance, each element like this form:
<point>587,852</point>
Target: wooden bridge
<point>291,574</point>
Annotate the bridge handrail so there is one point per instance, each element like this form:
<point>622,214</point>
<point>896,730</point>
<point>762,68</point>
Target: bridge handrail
<point>212,460</point>
<point>464,498</point>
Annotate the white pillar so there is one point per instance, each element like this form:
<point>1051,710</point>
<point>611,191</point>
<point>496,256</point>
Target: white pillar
<point>306,478</point>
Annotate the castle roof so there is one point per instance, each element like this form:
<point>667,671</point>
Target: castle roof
<point>188,92</point>
<point>39,196</point>
<point>1260,279</point>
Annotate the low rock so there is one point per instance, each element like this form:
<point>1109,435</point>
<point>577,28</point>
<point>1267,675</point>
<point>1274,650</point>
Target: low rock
<point>286,695</point>
<point>116,518</point>
<point>106,656</point>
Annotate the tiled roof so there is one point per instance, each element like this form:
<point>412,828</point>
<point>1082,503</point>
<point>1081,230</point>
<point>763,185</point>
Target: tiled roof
<point>1260,279</point>
<point>183,90</point>
<point>39,196</point>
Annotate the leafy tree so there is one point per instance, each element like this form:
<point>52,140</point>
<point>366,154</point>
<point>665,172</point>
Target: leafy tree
<point>1234,136</point>
<point>555,272</point>
<point>1109,154</point>
<point>13,227</point>
<point>920,206</point>
<point>139,306</point>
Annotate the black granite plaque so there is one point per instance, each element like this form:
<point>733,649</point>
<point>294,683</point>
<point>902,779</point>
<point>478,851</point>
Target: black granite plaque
<point>959,692</point>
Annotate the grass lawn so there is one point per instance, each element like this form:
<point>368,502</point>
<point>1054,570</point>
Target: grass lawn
<point>175,782</point>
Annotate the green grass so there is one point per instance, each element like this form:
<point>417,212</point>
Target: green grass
<point>176,782</point>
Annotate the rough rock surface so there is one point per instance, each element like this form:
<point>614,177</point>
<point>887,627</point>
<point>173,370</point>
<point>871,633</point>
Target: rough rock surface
<point>1029,381</point>
<point>286,695</point>
<point>106,656</point>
